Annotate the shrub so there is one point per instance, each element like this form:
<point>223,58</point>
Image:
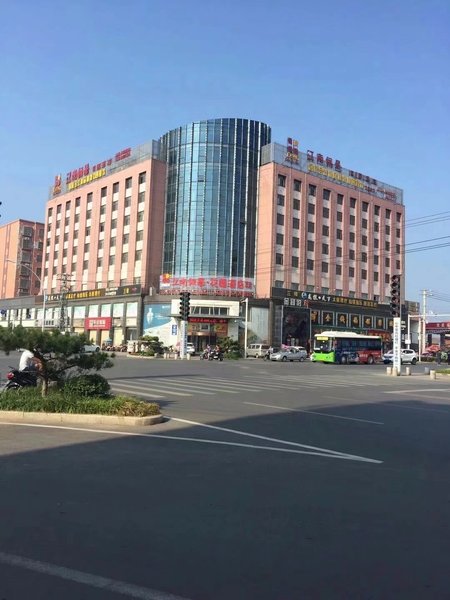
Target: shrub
<point>87,385</point>
<point>30,400</point>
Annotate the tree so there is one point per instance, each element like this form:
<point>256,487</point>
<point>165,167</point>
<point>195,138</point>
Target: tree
<point>58,353</point>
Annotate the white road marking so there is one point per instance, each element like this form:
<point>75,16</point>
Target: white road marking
<point>140,390</point>
<point>311,412</point>
<point>121,389</point>
<point>96,581</point>
<point>318,452</point>
<point>159,387</point>
<point>276,440</point>
<point>447,389</point>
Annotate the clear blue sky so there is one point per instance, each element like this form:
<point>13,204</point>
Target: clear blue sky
<point>364,82</point>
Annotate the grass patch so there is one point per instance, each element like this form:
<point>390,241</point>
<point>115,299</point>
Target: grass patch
<point>30,400</point>
<point>443,371</point>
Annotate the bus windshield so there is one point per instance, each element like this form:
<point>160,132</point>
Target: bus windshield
<point>322,344</point>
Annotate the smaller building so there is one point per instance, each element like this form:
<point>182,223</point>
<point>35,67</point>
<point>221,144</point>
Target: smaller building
<point>21,249</point>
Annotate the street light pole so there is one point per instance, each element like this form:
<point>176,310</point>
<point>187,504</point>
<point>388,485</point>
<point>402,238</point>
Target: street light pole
<point>14,262</point>
<point>245,326</point>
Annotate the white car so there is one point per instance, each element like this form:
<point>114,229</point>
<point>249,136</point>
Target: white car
<point>190,348</point>
<point>91,348</point>
<point>407,356</point>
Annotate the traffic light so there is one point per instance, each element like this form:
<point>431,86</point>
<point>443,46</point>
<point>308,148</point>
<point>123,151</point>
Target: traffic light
<point>395,296</point>
<point>185,298</point>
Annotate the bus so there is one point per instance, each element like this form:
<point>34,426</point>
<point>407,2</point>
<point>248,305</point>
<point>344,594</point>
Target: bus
<point>344,347</point>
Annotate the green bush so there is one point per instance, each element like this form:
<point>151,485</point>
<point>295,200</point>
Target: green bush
<point>30,400</point>
<point>87,385</point>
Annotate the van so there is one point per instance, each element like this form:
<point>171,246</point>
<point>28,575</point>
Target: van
<point>256,350</point>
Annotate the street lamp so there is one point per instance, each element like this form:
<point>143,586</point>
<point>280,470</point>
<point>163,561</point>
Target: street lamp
<point>245,300</point>
<point>14,262</point>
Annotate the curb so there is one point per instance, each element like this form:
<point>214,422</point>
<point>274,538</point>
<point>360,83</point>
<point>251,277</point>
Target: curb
<point>41,417</point>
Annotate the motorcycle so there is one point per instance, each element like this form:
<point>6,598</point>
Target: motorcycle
<point>17,380</point>
<point>215,355</point>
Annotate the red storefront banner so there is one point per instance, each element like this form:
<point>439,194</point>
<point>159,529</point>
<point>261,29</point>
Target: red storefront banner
<point>436,327</point>
<point>98,323</point>
<point>208,286</point>
<point>210,320</point>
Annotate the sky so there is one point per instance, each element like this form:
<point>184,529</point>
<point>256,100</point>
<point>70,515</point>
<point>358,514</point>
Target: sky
<point>364,82</point>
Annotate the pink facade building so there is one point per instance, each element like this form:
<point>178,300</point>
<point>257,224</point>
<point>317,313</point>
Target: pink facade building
<point>326,230</point>
<point>104,224</point>
<point>21,252</point>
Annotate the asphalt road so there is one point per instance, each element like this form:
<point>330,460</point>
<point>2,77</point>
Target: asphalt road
<point>267,481</point>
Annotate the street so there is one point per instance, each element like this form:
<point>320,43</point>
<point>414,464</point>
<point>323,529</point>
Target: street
<point>267,481</point>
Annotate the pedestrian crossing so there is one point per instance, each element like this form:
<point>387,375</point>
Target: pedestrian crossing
<point>166,387</point>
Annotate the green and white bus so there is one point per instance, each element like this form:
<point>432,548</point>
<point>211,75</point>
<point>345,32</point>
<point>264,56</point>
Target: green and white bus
<point>344,347</point>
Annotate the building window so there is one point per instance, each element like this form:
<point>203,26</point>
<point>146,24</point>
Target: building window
<point>126,220</point>
<point>364,240</point>
<point>310,227</point>
<point>140,217</point>
<point>376,227</point>
<point>88,214</point>
<point>126,238</point>
<point>77,218</point>
<point>297,185</point>
<point>311,209</point>
<point>310,246</point>
<point>352,220</point>
<point>295,223</point>
<point>339,216</point>
<point>311,190</point>
<point>142,177</point>
<point>324,267</point>
<point>103,192</point>
<point>280,200</point>
<point>77,202</point>
<point>376,243</point>
<point>112,242</point>
<point>138,255</point>
<point>295,242</point>
<point>325,212</point>
<point>351,272</point>
<point>387,278</point>
<point>128,183</point>
<point>375,275</point>
<point>364,223</point>
<point>364,257</point>
<point>338,251</point>
<point>388,213</point>
<point>115,205</point>
<point>87,233</point>
<point>116,188</point>
<point>377,209</point>
<point>338,269</point>
<point>112,261</point>
<point>280,219</point>
<point>278,258</point>
<point>295,262</point>
<point>278,283</point>
<point>397,233</point>
<point>280,239</point>
<point>397,265</point>
<point>351,254</point>
<point>125,257</point>
<point>397,248</point>
<point>388,230</point>
<point>99,262</point>
<point>325,248</point>
<point>310,264</point>
<point>296,204</point>
<point>100,244</point>
<point>351,236</point>
<point>85,265</point>
<point>365,206</point>
<point>326,194</point>
<point>281,181</point>
<point>102,227</point>
<point>340,199</point>
<point>114,224</point>
<point>375,259</point>
<point>387,262</point>
<point>86,248</point>
<point>139,236</point>
<point>387,245</point>
<point>325,230</point>
<point>352,202</point>
<point>103,210</point>
<point>339,234</point>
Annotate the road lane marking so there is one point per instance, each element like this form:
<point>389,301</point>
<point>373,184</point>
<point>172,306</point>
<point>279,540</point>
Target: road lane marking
<point>140,390</point>
<point>310,450</point>
<point>447,389</point>
<point>160,386</point>
<point>96,581</point>
<point>121,388</point>
<point>311,412</point>
<point>276,440</point>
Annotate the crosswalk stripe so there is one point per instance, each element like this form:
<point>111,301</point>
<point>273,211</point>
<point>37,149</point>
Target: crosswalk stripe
<point>122,389</point>
<point>138,390</point>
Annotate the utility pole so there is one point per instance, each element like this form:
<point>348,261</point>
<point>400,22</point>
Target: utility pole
<point>64,280</point>
<point>423,328</point>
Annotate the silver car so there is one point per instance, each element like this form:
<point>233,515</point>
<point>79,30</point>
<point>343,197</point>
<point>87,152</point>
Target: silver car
<point>289,354</point>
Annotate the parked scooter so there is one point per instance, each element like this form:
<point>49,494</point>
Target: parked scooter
<point>17,380</point>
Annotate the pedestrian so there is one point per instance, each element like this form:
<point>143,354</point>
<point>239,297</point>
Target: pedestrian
<point>27,361</point>
<point>438,357</point>
<point>448,357</point>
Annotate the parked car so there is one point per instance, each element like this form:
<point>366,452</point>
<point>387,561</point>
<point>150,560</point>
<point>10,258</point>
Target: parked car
<point>256,350</point>
<point>91,348</point>
<point>190,349</point>
<point>407,356</point>
<point>289,354</point>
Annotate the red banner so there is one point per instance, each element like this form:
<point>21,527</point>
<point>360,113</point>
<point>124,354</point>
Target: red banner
<point>97,323</point>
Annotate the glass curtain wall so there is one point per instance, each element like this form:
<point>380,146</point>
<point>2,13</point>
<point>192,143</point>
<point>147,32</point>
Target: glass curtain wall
<point>212,179</point>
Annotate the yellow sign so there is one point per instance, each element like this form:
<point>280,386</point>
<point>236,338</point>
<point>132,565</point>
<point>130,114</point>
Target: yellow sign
<point>334,175</point>
<point>83,180</point>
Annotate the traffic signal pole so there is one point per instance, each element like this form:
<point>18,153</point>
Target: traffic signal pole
<point>396,308</point>
<point>185,298</point>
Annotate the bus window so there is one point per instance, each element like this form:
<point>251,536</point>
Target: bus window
<point>322,345</point>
